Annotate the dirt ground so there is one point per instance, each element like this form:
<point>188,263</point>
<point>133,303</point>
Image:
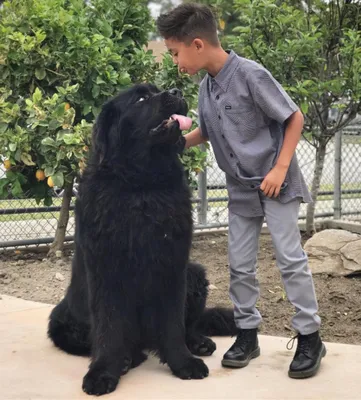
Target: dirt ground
<point>32,276</point>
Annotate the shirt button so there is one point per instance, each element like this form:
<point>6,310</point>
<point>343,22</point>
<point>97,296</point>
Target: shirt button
<point>231,154</point>
<point>217,97</point>
<point>222,136</point>
<point>219,117</point>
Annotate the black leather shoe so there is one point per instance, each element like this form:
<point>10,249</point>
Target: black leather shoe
<point>308,356</point>
<point>243,350</point>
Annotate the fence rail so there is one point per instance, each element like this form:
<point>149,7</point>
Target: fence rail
<point>24,223</point>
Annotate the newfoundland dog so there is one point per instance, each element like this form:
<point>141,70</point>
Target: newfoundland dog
<point>132,287</point>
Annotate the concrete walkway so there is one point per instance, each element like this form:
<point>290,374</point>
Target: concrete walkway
<point>31,368</point>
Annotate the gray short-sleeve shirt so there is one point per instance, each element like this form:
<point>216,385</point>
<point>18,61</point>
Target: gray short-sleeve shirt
<point>242,111</point>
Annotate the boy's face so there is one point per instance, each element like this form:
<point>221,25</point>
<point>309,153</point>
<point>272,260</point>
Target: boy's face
<point>189,58</point>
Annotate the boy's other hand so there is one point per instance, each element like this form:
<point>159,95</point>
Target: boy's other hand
<point>271,185</point>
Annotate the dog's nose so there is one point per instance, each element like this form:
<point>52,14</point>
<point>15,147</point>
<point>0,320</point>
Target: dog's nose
<point>176,92</point>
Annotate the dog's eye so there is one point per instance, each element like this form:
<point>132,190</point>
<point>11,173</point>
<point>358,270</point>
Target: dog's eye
<point>142,98</point>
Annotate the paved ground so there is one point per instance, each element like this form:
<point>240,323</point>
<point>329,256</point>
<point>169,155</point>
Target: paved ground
<point>31,369</point>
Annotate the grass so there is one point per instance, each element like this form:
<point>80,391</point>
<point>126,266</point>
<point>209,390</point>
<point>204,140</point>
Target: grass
<point>28,203</point>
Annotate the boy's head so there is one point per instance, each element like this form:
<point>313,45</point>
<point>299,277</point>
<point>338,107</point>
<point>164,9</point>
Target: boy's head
<point>189,31</point>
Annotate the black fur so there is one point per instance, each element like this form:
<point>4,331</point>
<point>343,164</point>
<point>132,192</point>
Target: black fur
<point>132,288</point>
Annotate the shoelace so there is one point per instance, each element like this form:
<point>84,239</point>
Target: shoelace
<point>303,344</point>
<point>293,342</point>
<point>242,339</point>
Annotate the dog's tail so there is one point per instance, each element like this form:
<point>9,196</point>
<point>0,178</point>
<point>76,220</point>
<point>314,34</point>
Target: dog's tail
<point>217,321</point>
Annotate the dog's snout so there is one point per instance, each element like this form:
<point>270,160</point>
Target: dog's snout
<point>176,92</point>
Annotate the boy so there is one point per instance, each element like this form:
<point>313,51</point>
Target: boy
<point>254,128</point>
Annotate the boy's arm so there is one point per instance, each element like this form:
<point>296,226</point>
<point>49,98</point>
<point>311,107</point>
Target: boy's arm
<point>273,100</point>
<point>194,138</point>
<point>271,184</point>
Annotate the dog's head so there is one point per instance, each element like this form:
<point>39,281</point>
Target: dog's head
<point>138,118</point>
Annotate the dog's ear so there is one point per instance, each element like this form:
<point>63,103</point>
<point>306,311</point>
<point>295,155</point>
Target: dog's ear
<point>102,131</point>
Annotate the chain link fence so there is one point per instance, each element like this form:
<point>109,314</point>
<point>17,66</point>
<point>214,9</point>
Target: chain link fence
<point>23,222</point>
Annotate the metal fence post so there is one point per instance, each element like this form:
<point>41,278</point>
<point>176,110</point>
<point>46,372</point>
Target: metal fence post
<point>337,197</point>
<point>202,191</point>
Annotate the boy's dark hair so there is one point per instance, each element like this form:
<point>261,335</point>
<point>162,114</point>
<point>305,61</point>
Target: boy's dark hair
<point>187,22</point>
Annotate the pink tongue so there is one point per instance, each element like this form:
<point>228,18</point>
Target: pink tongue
<point>184,122</point>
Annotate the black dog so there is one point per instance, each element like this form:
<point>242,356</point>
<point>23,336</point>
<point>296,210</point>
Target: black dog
<point>132,288</point>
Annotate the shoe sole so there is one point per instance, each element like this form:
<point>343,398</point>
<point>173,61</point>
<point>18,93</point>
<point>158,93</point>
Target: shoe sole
<point>240,364</point>
<point>309,372</point>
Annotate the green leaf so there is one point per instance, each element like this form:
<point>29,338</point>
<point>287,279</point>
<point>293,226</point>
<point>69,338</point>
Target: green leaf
<point>12,146</point>
<point>16,189</point>
<point>87,109</point>
<point>124,79</point>
<point>53,125</point>
<point>304,107</point>
<point>4,188</point>
<point>58,179</point>
<point>70,138</point>
<point>48,142</point>
<point>18,155</point>
<point>12,176</point>
<point>106,29</point>
<point>3,182</point>
<point>21,178</point>
<point>60,110</point>
<point>40,36</point>
<point>37,96</point>
<point>99,81</point>
<point>3,127</point>
<point>26,159</point>
<point>40,73</point>
<point>48,201</point>
<point>95,91</point>
<point>49,171</point>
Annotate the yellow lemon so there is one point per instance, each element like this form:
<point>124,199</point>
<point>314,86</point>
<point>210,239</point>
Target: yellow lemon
<point>40,176</point>
<point>50,182</point>
<point>7,164</point>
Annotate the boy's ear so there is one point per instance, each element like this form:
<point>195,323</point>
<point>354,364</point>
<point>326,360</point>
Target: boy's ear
<point>199,44</point>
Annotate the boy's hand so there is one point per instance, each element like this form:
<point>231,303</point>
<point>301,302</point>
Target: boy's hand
<point>271,184</point>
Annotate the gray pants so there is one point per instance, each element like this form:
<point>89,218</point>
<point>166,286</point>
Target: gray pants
<point>291,260</point>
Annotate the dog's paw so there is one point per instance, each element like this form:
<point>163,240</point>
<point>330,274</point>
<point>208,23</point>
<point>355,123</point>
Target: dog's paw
<point>193,368</point>
<point>201,345</point>
<point>99,382</point>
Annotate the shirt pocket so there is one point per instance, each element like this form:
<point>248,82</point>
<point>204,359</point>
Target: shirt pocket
<point>241,119</point>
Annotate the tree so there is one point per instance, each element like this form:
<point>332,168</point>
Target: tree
<point>60,61</point>
<point>165,5</point>
<point>225,14</point>
<point>314,51</point>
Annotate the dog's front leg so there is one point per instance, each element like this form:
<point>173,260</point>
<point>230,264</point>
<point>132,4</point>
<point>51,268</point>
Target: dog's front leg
<point>112,334</point>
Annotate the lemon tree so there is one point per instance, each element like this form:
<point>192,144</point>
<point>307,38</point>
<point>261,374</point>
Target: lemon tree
<point>59,62</point>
